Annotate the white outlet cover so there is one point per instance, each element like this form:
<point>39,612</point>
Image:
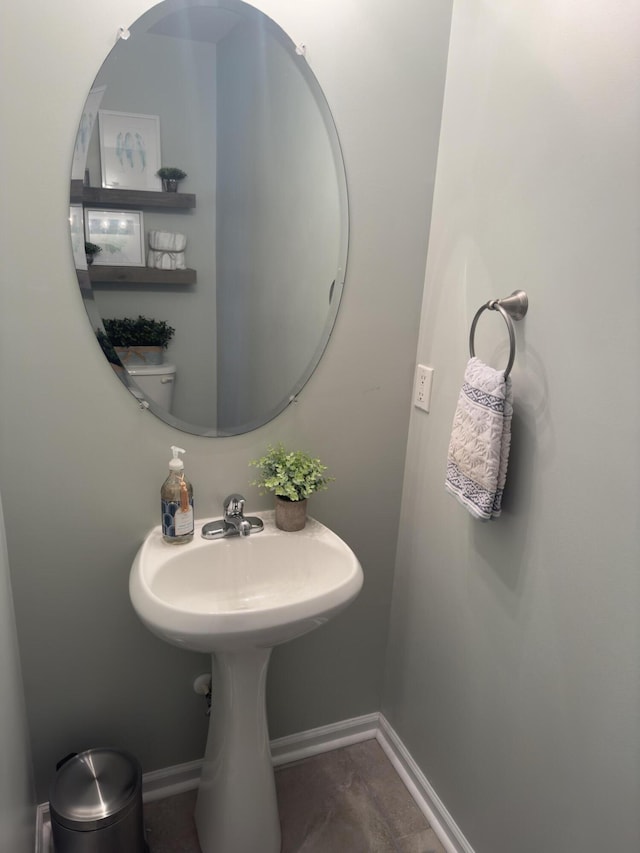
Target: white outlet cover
<point>422,387</point>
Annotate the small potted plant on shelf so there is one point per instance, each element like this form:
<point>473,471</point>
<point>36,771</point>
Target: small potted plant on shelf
<point>170,176</point>
<point>91,250</point>
<point>139,341</point>
<point>292,476</point>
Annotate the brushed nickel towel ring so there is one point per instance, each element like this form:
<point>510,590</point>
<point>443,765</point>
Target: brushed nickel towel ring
<point>512,307</point>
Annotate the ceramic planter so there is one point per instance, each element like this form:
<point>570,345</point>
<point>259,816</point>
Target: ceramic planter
<point>140,355</point>
<point>290,515</point>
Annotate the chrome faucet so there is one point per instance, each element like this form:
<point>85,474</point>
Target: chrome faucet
<point>234,522</point>
<point>234,514</point>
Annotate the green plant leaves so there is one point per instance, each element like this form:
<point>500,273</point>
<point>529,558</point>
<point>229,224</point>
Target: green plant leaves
<point>139,332</point>
<point>290,474</point>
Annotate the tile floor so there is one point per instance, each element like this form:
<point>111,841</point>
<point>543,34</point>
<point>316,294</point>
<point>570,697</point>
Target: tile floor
<point>350,800</point>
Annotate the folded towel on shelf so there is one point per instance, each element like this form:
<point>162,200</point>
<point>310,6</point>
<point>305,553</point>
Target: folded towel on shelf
<point>167,241</point>
<point>166,260</point>
<point>480,440</point>
<point>166,250</point>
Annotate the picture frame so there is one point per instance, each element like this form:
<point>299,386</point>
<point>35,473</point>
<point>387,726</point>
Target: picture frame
<point>129,150</point>
<point>76,230</point>
<point>85,130</point>
<point>120,235</point>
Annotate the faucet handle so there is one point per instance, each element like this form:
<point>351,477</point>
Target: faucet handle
<point>234,504</point>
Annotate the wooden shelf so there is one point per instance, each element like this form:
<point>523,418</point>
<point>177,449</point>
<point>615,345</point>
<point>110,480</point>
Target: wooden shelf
<point>130,198</point>
<point>136,199</point>
<point>99,273</point>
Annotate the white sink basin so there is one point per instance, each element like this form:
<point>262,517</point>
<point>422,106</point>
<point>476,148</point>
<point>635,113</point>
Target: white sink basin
<point>236,598</point>
<point>238,592</point>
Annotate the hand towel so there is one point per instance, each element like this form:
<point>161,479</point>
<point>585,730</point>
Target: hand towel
<point>480,440</point>
<point>167,241</point>
<point>166,250</point>
<point>166,260</point>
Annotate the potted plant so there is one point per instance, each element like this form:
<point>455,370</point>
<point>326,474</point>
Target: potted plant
<point>170,176</point>
<point>292,476</point>
<point>139,341</point>
<point>91,250</point>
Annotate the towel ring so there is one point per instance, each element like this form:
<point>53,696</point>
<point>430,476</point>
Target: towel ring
<point>512,307</point>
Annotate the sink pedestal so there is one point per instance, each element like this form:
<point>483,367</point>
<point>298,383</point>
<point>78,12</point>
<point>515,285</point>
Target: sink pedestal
<point>236,810</point>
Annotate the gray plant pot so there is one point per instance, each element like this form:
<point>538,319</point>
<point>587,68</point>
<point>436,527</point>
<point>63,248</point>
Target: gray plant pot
<point>290,515</point>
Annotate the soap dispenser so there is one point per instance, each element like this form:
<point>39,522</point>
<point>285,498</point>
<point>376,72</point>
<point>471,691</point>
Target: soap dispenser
<point>177,503</point>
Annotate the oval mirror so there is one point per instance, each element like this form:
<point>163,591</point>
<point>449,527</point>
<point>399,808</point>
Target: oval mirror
<point>233,278</point>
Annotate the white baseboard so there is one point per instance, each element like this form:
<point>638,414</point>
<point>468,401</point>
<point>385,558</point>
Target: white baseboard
<point>286,750</point>
<point>43,829</point>
<point>170,781</point>
<point>421,790</point>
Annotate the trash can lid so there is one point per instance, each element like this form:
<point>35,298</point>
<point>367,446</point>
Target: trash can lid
<point>92,789</point>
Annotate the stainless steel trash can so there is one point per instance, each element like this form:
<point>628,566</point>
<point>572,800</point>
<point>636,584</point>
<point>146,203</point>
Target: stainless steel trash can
<point>96,804</point>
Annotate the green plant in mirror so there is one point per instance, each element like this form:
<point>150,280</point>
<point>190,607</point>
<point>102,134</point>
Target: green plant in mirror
<point>171,173</point>
<point>91,250</point>
<point>294,475</point>
<point>141,332</point>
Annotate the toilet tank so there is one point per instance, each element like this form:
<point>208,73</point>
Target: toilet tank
<point>154,382</point>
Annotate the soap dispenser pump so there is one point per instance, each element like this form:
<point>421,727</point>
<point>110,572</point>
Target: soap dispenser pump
<point>177,502</point>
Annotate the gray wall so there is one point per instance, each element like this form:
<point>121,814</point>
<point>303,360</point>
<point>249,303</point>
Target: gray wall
<point>81,465</point>
<point>513,663</point>
<point>17,794</point>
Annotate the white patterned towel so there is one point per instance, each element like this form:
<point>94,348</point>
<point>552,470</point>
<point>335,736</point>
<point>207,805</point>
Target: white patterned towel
<point>480,440</point>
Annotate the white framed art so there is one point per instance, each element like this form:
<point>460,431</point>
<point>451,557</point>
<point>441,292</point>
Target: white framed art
<point>120,235</point>
<point>76,229</point>
<point>85,129</point>
<point>129,150</point>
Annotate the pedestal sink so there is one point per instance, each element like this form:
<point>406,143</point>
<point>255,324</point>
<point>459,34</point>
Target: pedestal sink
<point>236,598</point>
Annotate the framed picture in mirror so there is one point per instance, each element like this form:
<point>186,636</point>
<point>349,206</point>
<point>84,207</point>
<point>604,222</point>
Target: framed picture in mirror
<point>85,129</point>
<point>76,228</point>
<point>129,150</point>
<point>119,234</point>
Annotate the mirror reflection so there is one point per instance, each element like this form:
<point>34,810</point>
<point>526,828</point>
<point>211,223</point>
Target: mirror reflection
<point>242,257</point>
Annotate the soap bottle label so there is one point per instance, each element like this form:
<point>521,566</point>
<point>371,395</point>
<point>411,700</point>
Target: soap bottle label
<point>176,522</point>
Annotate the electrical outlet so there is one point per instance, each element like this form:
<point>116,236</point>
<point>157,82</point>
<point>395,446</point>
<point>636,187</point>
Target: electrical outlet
<point>422,389</point>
